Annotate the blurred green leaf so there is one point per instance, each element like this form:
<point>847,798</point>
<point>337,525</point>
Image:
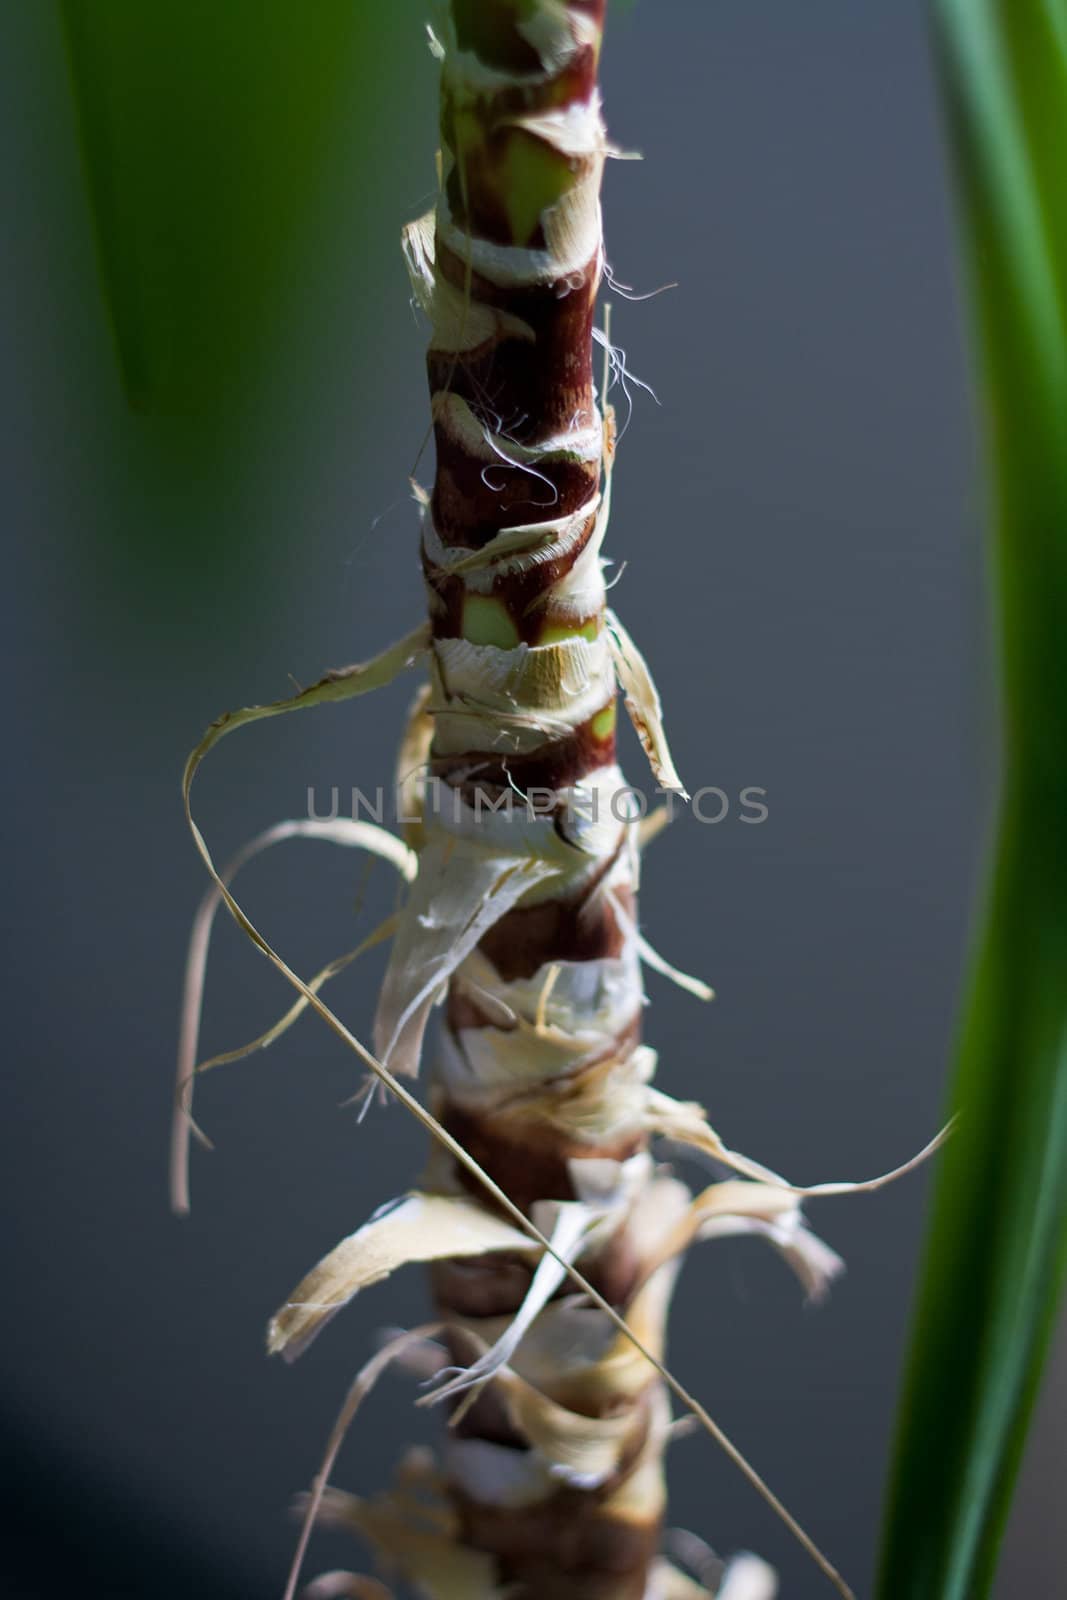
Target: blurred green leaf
<point>205,126</point>
<point>997,1247</point>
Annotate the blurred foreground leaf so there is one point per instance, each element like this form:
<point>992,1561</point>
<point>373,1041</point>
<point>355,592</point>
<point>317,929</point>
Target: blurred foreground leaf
<point>205,127</point>
<point>996,1252</point>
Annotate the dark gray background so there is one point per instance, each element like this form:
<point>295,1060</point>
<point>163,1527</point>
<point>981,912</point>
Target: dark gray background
<point>801,523</point>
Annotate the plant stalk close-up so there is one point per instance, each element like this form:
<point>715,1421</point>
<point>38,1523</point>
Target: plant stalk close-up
<point>525,842</point>
<point>554,1235</point>
<point>317,344</point>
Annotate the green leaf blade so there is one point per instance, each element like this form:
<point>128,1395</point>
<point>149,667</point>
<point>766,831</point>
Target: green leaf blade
<point>997,1248</point>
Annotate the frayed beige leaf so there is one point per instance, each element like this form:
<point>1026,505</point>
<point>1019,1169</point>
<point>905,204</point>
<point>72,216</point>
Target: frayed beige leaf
<point>641,1497</point>
<point>518,548</point>
<point>556,32</point>
<point>534,691</point>
<point>462,422</point>
<point>686,1123</point>
<point>573,1351</point>
<point>421,1227</point>
<point>770,1211</point>
<point>734,1208</point>
<point>460,893</point>
<point>735,1200</point>
<point>606,1191</point>
<point>565,1018</point>
<point>584,1451</point>
<point>575,131</point>
<point>812,1260</point>
<point>342,683</point>
<point>684,980</point>
<point>652,958</point>
<point>460,323</point>
<point>409,1539</point>
<point>574,1223</point>
<point>643,703</point>
<point>337,830</point>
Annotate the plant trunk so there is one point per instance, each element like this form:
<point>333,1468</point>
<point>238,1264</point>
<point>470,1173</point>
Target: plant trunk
<point>541,1047</point>
<point>522,915</point>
